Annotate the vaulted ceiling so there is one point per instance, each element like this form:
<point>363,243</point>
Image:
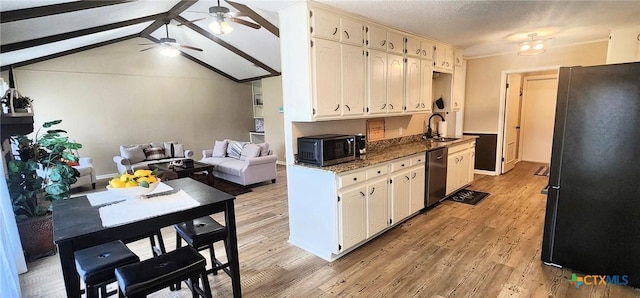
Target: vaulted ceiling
<point>36,30</point>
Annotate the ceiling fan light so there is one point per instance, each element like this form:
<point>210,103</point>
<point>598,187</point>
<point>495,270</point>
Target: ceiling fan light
<point>169,51</point>
<point>220,27</point>
<point>539,45</point>
<point>525,46</point>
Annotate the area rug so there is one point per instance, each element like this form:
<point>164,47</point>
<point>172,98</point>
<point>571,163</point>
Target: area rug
<point>223,185</point>
<point>542,171</point>
<point>468,196</point>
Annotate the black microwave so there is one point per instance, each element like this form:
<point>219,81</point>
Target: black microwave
<point>325,150</point>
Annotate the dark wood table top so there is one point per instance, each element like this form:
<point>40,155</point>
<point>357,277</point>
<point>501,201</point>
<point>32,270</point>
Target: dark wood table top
<point>76,217</point>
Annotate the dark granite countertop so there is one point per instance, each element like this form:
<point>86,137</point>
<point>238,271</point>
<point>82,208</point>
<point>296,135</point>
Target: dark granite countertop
<point>388,154</point>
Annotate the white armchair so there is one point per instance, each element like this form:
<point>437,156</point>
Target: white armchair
<point>87,172</point>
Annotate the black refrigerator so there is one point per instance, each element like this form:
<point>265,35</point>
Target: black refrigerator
<point>592,222</point>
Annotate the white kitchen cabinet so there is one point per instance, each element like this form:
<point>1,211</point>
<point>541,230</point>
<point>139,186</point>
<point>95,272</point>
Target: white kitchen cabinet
<point>376,82</point>
<point>324,24</point>
<point>377,206</point>
<point>413,95</point>
<point>395,42</point>
<point>352,210</point>
<point>426,80</point>
<point>472,161</point>
<point>457,96</point>
<point>427,48</point>
<point>414,46</point>
<point>351,31</point>
<point>457,57</point>
<point>460,166</point>
<point>395,83</point>
<point>327,83</point>
<point>417,188</point>
<point>400,196</point>
<point>376,37</point>
<point>352,80</point>
<point>443,58</point>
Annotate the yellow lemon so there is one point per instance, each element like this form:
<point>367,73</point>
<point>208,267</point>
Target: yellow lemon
<point>142,173</point>
<point>152,179</point>
<point>131,184</point>
<point>116,183</point>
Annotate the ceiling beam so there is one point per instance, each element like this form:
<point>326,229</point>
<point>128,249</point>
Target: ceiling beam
<point>225,45</point>
<point>68,52</point>
<point>175,11</point>
<point>68,35</point>
<point>47,10</point>
<point>256,17</point>
<point>257,78</point>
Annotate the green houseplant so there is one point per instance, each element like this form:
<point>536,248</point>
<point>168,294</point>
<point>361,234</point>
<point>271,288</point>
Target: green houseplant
<point>20,103</point>
<point>38,177</point>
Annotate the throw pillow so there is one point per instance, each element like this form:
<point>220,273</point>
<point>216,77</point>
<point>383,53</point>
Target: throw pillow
<point>235,149</point>
<point>173,150</point>
<point>220,148</point>
<point>168,150</point>
<point>250,151</point>
<point>154,153</point>
<point>132,153</point>
<point>264,149</point>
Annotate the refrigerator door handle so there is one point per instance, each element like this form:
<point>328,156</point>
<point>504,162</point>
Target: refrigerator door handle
<point>554,186</point>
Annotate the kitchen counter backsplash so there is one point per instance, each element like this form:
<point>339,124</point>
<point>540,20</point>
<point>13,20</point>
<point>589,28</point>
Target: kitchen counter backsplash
<point>387,150</point>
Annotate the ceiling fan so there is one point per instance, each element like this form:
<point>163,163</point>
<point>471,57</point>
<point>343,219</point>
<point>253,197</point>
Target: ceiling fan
<point>169,45</point>
<point>222,14</point>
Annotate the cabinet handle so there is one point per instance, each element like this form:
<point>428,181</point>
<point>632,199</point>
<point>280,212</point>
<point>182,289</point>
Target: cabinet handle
<point>424,52</point>
<point>423,105</point>
<point>417,106</point>
<point>348,108</point>
<point>362,194</point>
<point>417,51</point>
<point>378,172</point>
<point>384,42</point>
<point>457,60</point>
<point>447,64</point>
<point>336,108</point>
<point>391,106</point>
<point>346,33</point>
<point>384,106</point>
<point>461,158</point>
<point>391,45</point>
<point>402,165</point>
<point>373,189</point>
<point>335,31</point>
<point>355,178</point>
<point>407,177</point>
<point>414,175</point>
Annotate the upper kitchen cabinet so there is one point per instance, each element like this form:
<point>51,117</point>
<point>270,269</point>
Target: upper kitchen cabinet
<point>376,82</point>
<point>443,58</point>
<point>351,31</point>
<point>457,57</point>
<point>324,24</point>
<point>395,42</point>
<point>395,83</point>
<point>327,84</point>
<point>459,78</point>
<point>414,46</point>
<point>376,37</point>
<point>426,49</point>
<point>352,80</point>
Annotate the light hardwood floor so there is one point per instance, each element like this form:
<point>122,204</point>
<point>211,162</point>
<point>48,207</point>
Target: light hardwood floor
<point>453,250</point>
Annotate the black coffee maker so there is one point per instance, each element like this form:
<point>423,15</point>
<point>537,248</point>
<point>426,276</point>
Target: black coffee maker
<point>361,145</point>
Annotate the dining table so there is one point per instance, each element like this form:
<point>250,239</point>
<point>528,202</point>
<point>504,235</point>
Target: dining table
<point>79,223</point>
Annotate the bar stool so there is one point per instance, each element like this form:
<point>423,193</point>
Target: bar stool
<point>148,276</point>
<point>201,234</point>
<point>95,265</point>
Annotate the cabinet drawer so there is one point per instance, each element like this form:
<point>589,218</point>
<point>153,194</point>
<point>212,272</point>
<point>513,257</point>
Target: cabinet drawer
<point>377,171</point>
<point>351,179</point>
<point>400,164</point>
<point>418,159</point>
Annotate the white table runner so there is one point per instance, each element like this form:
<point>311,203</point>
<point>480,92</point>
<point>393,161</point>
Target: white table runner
<point>137,209</point>
<point>107,197</point>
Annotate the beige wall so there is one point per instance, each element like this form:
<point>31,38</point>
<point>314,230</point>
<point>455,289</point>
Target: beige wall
<point>273,119</point>
<point>482,102</point>
<point>116,95</point>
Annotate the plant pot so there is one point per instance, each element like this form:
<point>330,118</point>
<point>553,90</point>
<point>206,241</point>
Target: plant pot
<point>36,235</point>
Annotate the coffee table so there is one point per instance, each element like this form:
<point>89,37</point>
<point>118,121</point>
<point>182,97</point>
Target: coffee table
<point>184,171</point>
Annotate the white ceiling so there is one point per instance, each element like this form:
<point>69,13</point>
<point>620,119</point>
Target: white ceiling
<point>481,28</point>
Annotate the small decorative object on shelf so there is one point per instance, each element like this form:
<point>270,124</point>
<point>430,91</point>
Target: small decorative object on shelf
<point>259,124</point>
<point>16,105</point>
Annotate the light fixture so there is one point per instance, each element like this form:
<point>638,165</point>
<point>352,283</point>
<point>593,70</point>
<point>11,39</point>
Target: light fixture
<point>219,26</point>
<point>169,51</point>
<point>533,46</point>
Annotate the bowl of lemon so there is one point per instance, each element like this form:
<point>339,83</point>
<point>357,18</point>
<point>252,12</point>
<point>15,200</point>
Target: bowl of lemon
<point>135,185</point>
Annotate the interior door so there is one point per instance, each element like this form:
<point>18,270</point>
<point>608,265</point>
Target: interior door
<point>512,123</point>
<point>538,115</point>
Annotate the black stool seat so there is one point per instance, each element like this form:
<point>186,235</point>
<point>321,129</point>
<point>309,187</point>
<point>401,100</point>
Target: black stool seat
<point>96,264</point>
<point>163,271</point>
<point>201,231</point>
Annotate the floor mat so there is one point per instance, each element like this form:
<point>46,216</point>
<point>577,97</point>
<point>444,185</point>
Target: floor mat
<point>468,196</point>
<point>223,185</point>
<point>542,171</point>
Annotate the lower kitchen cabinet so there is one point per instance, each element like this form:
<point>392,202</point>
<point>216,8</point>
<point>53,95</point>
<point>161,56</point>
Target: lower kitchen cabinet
<point>400,196</point>
<point>460,166</point>
<point>417,189</point>
<point>352,213</point>
<point>377,206</point>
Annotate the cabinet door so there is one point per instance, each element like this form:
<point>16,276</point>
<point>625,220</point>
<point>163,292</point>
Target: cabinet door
<point>377,206</point>
<point>353,80</point>
<point>463,168</point>
<point>426,79</point>
<point>417,189</point>
<point>458,88</point>
<point>395,83</point>
<point>395,42</point>
<point>376,37</point>
<point>457,57</point>
<point>414,46</point>
<point>352,215</point>
<point>452,172</point>
<point>443,58</point>
<point>376,82</point>
<point>413,93</point>
<point>351,31</point>
<point>327,79</point>
<point>325,24</point>
<point>472,162</point>
<point>426,48</point>
<point>400,192</point>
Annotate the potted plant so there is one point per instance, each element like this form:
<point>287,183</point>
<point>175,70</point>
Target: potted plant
<point>39,176</point>
<point>21,104</point>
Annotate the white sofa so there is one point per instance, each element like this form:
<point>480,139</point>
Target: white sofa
<point>245,168</point>
<point>134,156</point>
<point>87,173</point>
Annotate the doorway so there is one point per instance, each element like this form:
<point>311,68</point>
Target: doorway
<point>528,106</point>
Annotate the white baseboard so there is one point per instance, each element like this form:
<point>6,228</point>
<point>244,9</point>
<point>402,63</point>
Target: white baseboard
<point>282,163</point>
<point>485,172</point>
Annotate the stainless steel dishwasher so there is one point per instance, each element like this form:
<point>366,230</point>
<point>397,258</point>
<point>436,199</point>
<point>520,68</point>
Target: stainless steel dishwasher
<point>436,176</point>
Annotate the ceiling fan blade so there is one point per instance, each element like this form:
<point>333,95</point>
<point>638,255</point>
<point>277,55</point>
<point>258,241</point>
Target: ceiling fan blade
<point>234,14</point>
<point>149,48</point>
<point>246,23</point>
<point>146,44</point>
<point>192,21</point>
<point>189,47</point>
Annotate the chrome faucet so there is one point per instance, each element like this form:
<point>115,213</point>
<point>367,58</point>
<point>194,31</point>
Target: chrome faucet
<point>429,131</point>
